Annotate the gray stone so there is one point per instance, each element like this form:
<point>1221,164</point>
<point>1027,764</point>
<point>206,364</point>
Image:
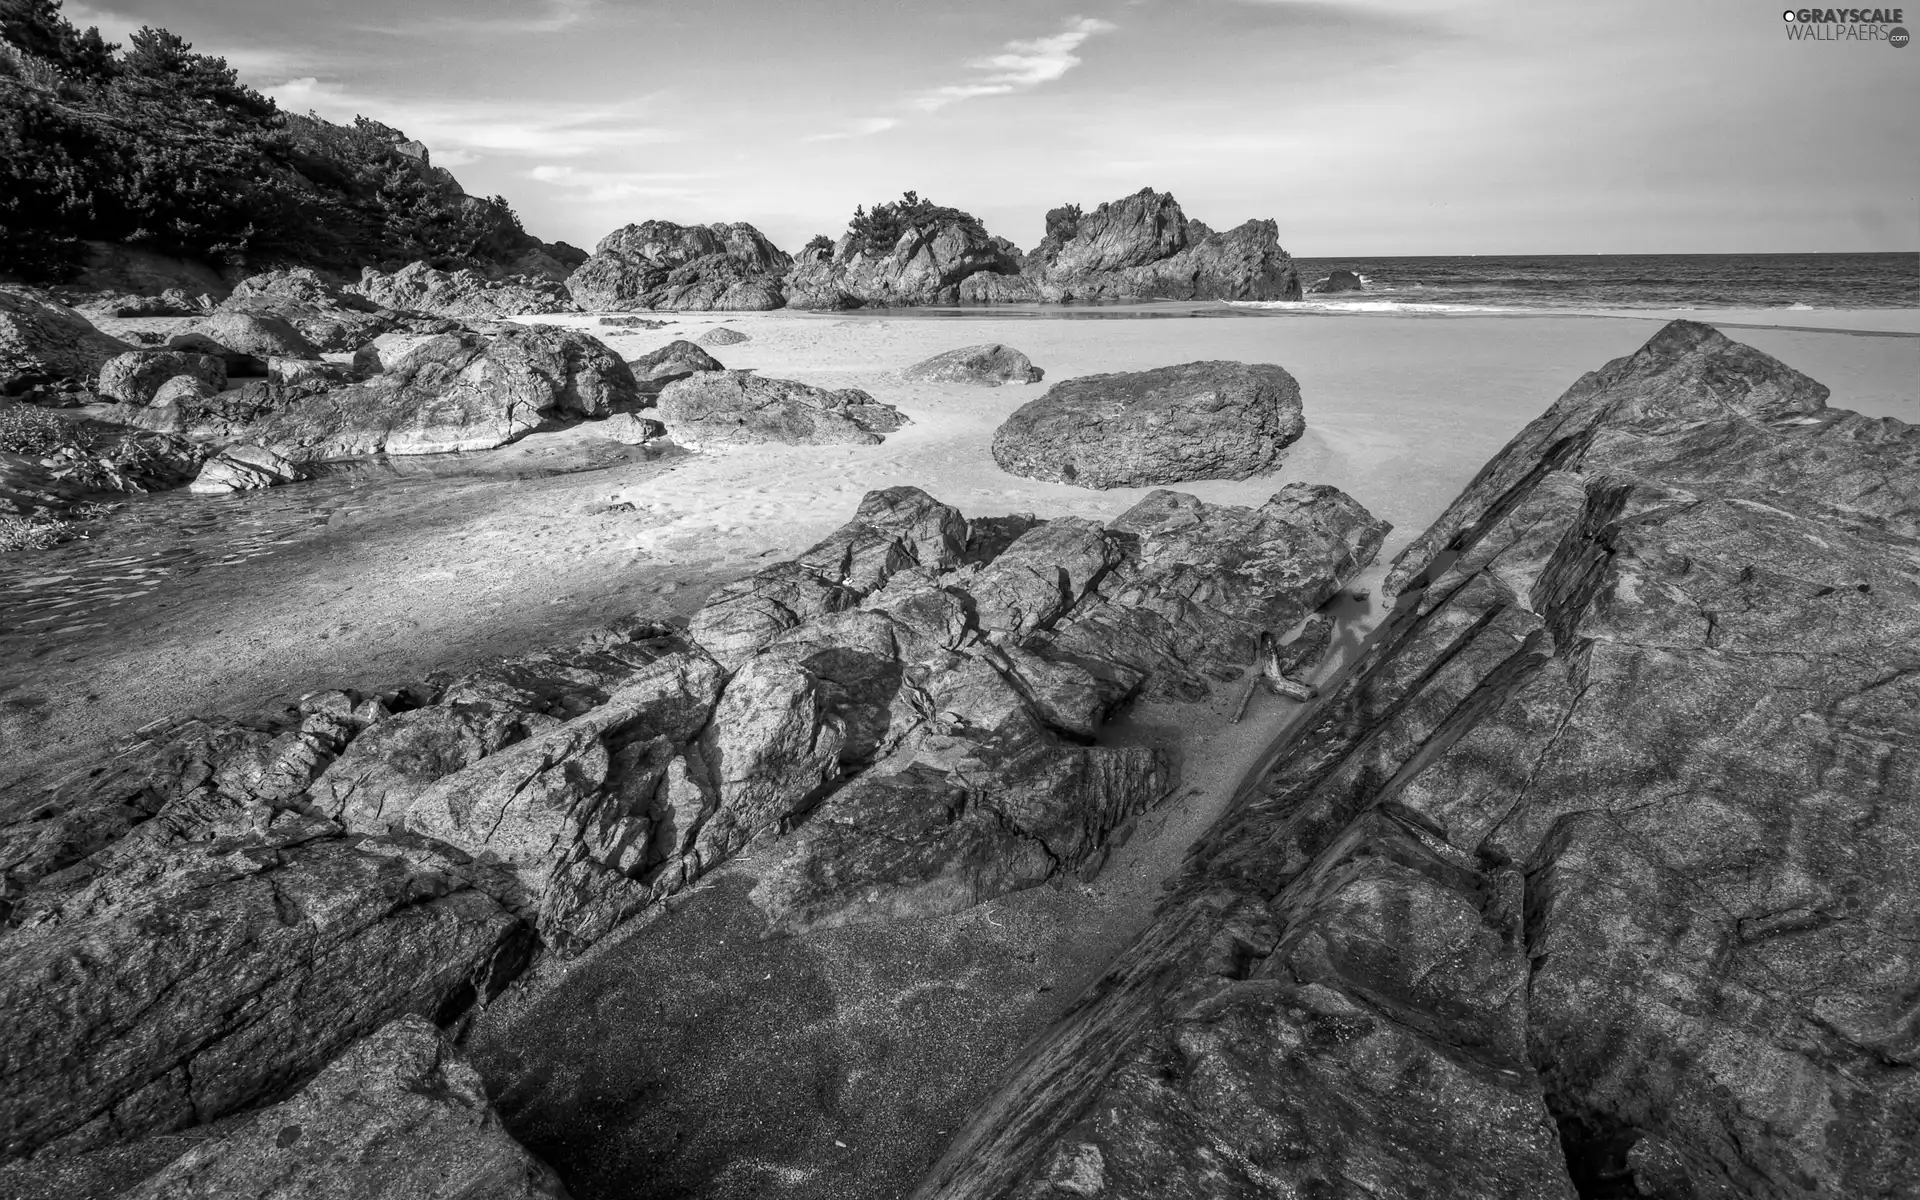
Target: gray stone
<point>984,366</point>
<point>720,407</point>
<point>134,377</point>
<point>1202,420</point>
<point>660,265</point>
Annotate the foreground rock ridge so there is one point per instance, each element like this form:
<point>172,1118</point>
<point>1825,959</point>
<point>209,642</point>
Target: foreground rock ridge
<point>1598,874</point>
<point>907,716</point>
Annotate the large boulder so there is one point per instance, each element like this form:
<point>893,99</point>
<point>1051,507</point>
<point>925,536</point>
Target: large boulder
<point>1596,873</point>
<point>675,360</point>
<point>987,365</point>
<point>1202,420</point>
<point>400,1116</point>
<point>43,343</point>
<point>720,335</point>
<point>1143,247</point>
<point>719,407</point>
<point>463,294</point>
<point>455,392</point>
<point>927,265</point>
<point>326,314</point>
<point>660,265</point>
<point>244,340</point>
<point>134,377</point>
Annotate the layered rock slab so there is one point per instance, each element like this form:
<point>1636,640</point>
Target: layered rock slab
<point>401,1114</point>
<point>1201,420</point>
<point>1645,710</point>
<point>740,407</point>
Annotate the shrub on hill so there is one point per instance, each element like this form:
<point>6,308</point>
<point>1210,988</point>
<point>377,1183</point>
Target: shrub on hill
<point>879,231</point>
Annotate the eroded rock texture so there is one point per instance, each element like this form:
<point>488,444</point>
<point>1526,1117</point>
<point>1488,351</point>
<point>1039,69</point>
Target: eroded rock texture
<point>1144,247</point>
<point>660,265</point>
<point>400,1115</point>
<point>709,407</point>
<point>988,365</point>
<point>1596,876</point>
<point>44,343</point>
<point>462,295</point>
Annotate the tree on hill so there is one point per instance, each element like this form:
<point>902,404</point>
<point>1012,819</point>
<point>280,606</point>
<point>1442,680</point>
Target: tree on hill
<point>879,231</point>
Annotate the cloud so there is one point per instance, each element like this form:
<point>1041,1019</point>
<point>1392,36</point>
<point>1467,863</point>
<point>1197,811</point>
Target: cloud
<point>113,26</point>
<point>529,129</point>
<point>864,127</point>
<point>553,17</point>
<point>1019,65</point>
<point>614,185</point>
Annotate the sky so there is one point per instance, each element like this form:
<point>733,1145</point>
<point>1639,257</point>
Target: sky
<point>1363,127</point>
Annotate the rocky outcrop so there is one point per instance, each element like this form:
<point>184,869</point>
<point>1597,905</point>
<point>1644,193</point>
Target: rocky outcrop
<point>927,265</point>
<point>243,468</point>
<point>134,377</point>
<point>44,344</point>
<point>326,315</point>
<point>454,392</point>
<point>722,407</point>
<point>244,340</point>
<point>1204,420</point>
<point>1593,877</point>
<point>1338,281</point>
<point>400,1116</point>
<point>1144,247</point>
<point>982,366</point>
<point>462,295</point>
<point>660,265</point>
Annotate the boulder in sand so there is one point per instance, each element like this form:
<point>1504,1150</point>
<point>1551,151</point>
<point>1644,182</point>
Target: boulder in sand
<point>245,340</point>
<point>984,366</point>
<point>455,392</point>
<point>42,343</point>
<point>400,1116</point>
<point>660,265</point>
<point>675,360</point>
<point>134,377</point>
<point>1202,420</point>
<point>720,335</point>
<point>718,407</point>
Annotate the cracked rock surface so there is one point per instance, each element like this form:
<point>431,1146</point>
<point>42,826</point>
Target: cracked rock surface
<point>1598,874</point>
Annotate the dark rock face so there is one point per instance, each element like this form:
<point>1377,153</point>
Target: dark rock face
<point>1607,836</point>
<point>1338,281</point>
<point>719,407</point>
<point>42,343</point>
<point>462,295</point>
<point>1204,420</point>
<point>926,266</point>
<point>400,1115</point>
<point>660,265</point>
<point>984,366</point>
<point>455,392</point>
<point>134,377</point>
<point>1144,247</point>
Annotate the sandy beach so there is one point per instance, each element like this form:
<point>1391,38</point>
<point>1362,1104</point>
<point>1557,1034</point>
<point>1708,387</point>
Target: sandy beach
<point>453,560</point>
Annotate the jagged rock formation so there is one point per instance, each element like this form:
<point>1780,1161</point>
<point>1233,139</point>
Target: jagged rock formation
<point>1144,247</point>
<point>325,314</point>
<point>720,407</point>
<point>1341,280</point>
<point>1595,876</point>
<point>243,468</point>
<point>926,266</point>
<point>45,344</point>
<point>1203,420</point>
<point>399,1116</point>
<point>462,295</point>
<point>453,392</point>
<point>660,265</point>
<point>983,366</point>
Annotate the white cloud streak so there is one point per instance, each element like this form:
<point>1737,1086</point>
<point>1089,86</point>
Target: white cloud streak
<point>1018,66</point>
<point>476,127</point>
<point>554,16</point>
<point>584,184</point>
<point>864,127</point>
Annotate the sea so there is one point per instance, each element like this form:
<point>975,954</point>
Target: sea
<point>1504,283</point>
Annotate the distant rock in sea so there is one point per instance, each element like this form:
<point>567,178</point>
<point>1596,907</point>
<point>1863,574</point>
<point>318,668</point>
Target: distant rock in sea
<point>660,265</point>
<point>1201,420</point>
<point>1341,280</point>
<point>1144,247</point>
<point>925,260</point>
<point>983,366</point>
